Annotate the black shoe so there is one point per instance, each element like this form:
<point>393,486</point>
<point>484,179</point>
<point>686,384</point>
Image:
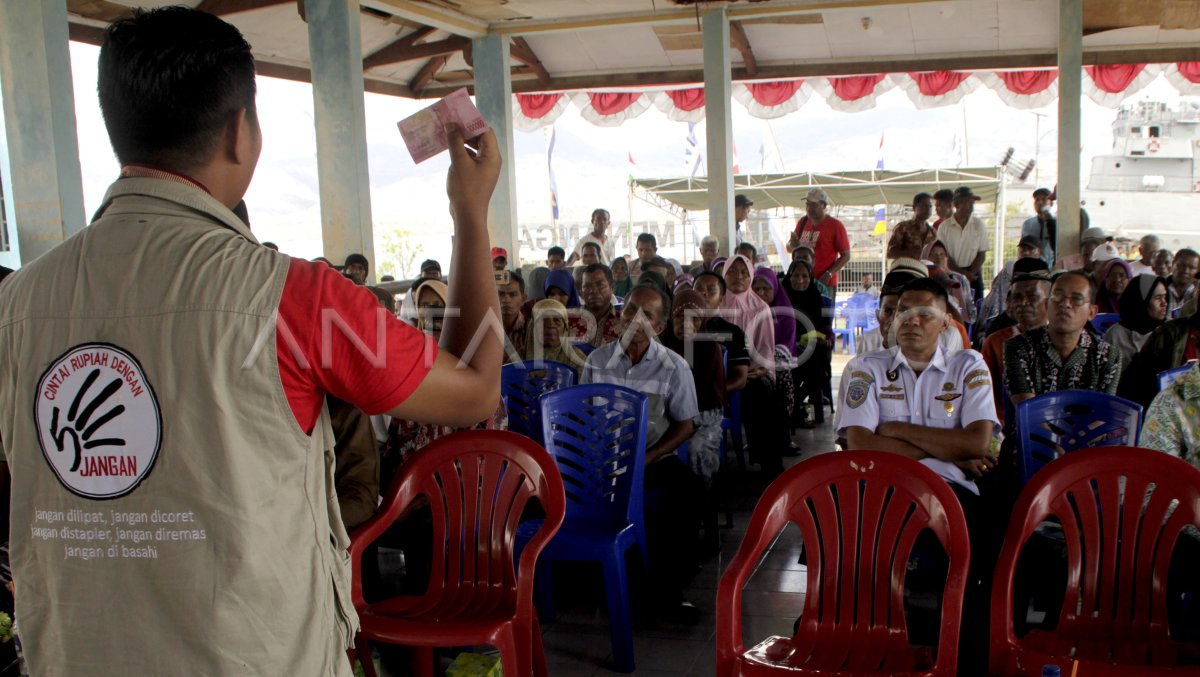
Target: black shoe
<point>791,450</point>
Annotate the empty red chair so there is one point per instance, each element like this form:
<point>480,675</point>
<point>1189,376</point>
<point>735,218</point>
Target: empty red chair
<point>859,514</point>
<point>1122,510</point>
<point>476,484</point>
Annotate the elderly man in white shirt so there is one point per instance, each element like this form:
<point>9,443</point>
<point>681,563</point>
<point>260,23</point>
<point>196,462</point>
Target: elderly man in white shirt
<point>967,239</point>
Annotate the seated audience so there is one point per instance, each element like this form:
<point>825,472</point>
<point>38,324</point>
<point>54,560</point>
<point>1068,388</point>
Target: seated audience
<point>356,471</point>
<point>591,253</point>
<point>748,250</point>
<point>1027,305</point>
<point>1112,275</point>
<point>767,287</point>
<point>1163,259</point>
<point>1063,355</point>
<point>1148,246</point>
<point>511,289</point>
<point>916,401</point>
<point>639,361</point>
<point>622,282</point>
<point>535,286</point>
<point>499,258</point>
<point>1170,345</point>
<point>877,338</point>
<point>598,325</point>
<point>1173,419</point>
<point>662,267</point>
<point>1183,280</point>
<point>811,318</point>
<point>995,302</point>
<point>556,258</point>
<point>1143,308</point>
<point>546,335</point>
<point>806,253</point>
<point>711,287</point>
<point>356,268</point>
<point>684,336</point>
<point>911,237</point>
<point>958,285</point>
<point>646,248</point>
<point>710,247</point>
<point>560,286</point>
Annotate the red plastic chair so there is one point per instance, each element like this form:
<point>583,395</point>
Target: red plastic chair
<point>1119,545</point>
<point>476,484</point>
<point>859,514</point>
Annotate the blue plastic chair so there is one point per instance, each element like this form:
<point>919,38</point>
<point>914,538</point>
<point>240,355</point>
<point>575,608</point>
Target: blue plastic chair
<point>597,435</point>
<point>1053,424</point>
<point>1102,321</point>
<point>1166,378</point>
<point>846,334</point>
<point>860,312</point>
<point>522,383</point>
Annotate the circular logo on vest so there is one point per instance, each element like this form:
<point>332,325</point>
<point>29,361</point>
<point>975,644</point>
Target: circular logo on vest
<point>98,421</point>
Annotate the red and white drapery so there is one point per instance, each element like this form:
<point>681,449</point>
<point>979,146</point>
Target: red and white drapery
<point>1107,85</point>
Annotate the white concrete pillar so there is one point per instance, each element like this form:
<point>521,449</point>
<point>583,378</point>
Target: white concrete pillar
<point>493,96</point>
<point>335,46</point>
<point>718,115</point>
<point>39,115</point>
<point>1070,83</point>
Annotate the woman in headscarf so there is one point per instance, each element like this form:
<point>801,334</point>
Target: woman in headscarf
<point>430,297</point>
<point>1143,307</point>
<point>560,286</point>
<point>546,336</point>
<point>767,287</point>
<point>743,308</point>
<point>814,332</point>
<point>622,282</point>
<point>763,413</point>
<point>536,286</point>
<point>1111,281</point>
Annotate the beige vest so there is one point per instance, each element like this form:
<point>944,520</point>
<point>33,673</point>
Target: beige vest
<point>168,514</point>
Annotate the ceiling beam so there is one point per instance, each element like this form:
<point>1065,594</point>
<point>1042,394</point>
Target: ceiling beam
<point>737,35</point>
<point>522,52</point>
<point>427,73</point>
<point>396,53</point>
<point>401,43</point>
<point>222,7</point>
<point>677,16</point>
<point>428,14</point>
<point>834,68</point>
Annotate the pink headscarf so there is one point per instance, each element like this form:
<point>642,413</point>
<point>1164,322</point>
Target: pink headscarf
<point>752,316</point>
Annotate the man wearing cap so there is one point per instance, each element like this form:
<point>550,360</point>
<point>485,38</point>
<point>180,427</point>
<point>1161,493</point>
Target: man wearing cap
<point>997,299</point>
<point>499,258</point>
<point>1042,225</point>
<point>1027,299</point>
<point>966,239</point>
<point>608,245</point>
<point>741,211</point>
<point>903,271</point>
<point>1088,241</point>
<point>1148,246</point>
<point>431,269</point>
<point>826,236</point>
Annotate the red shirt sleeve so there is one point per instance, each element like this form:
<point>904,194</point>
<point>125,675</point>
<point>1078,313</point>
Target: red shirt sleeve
<point>333,337</point>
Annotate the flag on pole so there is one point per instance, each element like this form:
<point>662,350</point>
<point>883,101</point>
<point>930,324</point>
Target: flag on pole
<point>550,138</point>
<point>879,165</point>
<point>692,157</point>
<point>632,164</point>
<point>736,166</point>
<point>880,220</point>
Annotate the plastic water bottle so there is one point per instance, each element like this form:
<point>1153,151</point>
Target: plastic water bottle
<point>1051,671</point>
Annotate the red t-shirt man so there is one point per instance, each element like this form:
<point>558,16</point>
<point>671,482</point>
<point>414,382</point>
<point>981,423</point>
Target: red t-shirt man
<point>822,233</point>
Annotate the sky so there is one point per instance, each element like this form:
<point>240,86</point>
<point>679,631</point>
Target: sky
<point>591,164</point>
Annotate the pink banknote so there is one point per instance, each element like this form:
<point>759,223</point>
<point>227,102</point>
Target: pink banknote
<point>425,131</point>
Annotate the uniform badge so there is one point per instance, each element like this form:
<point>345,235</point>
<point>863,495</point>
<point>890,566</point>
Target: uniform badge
<point>947,387</point>
<point>947,400</point>
<point>893,375</point>
<point>892,389</point>
<point>856,393</point>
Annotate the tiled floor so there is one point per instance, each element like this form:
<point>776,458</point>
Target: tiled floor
<point>578,644</point>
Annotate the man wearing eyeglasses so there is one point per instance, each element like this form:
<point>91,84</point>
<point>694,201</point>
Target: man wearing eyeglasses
<point>1063,355</point>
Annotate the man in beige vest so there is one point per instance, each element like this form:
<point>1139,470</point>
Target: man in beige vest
<point>162,380</point>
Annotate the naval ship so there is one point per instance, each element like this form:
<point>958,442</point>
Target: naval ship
<point>1150,183</point>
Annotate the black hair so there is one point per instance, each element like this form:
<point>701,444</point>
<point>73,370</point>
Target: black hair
<point>591,244</point>
<point>515,276</point>
<point>1076,273</point>
<point>659,262</point>
<point>921,196</point>
<point>747,245</point>
<point>647,237</point>
<point>600,210</point>
<point>388,278</point>
<point>1186,251</point>
<point>556,250</point>
<point>357,258</point>
<point>169,80</point>
<point>599,268</point>
<point>1042,192</point>
<point>925,284</point>
<point>652,279</point>
<point>385,298</point>
<point>662,293</point>
<point>943,195</point>
<point>710,273</point>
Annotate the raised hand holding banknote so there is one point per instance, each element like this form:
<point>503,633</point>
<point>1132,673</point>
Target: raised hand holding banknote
<point>425,131</point>
<point>472,176</point>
